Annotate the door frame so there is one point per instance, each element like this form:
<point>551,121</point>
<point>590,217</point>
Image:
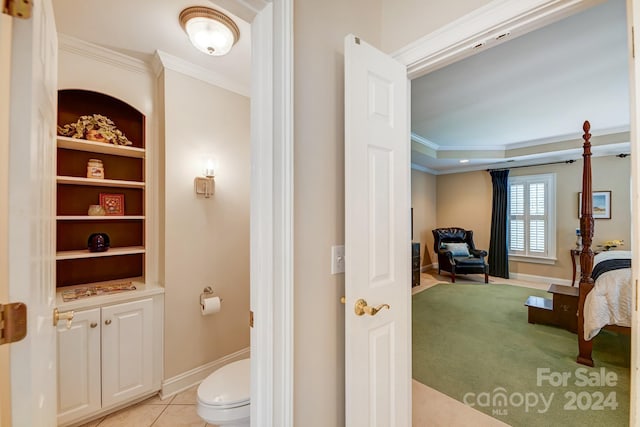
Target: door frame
<point>482,29</point>
<point>271,216</point>
<point>6,26</point>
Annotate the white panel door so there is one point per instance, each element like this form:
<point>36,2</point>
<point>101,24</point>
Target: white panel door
<point>79,366</point>
<point>32,213</point>
<point>377,238</point>
<point>127,333</point>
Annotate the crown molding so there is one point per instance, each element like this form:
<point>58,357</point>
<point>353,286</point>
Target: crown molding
<point>243,9</point>
<point>424,169</point>
<point>424,141</point>
<point>179,65</point>
<point>67,43</point>
<point>567,137</point>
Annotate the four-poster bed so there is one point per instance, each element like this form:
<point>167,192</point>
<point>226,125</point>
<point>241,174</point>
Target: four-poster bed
<point>585,343</point>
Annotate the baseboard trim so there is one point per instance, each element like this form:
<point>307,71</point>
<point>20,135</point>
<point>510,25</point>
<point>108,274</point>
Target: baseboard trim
<point>534,278</point>
<point>428,267</point>
<point>181,382</point>
<point>520,276</point>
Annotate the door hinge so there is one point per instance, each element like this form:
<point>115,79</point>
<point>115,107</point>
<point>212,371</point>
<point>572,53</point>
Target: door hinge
<point>250,319</point>
<point>13,322</point>
<point>17,8</point>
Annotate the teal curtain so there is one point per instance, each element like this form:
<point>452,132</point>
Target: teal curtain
<point>498,251</point>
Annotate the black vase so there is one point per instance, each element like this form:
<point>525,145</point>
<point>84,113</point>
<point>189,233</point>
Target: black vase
<point>98,242</point>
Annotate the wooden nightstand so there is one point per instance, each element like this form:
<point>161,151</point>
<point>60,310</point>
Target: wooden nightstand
<point>415,264</point>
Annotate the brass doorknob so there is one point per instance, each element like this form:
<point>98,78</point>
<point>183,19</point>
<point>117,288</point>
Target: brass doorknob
<point>361,308</point>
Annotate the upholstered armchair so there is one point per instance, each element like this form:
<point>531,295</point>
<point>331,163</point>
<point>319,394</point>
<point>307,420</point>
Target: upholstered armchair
<point>457,253</point>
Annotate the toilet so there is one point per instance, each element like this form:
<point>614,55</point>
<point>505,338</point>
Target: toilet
<point>223,397</point>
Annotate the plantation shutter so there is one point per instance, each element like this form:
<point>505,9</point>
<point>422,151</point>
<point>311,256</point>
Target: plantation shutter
<point>516,217</point>
<point>531,216</point>
<point>537,218</point>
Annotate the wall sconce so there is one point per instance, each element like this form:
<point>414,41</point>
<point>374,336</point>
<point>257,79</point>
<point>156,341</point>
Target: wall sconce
<point>209,30</point>
<point>204,184</point>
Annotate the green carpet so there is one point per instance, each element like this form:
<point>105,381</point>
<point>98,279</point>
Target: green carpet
<point>474,341</point>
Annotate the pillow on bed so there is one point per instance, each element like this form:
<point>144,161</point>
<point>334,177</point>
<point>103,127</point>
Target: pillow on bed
<point>457,249</point>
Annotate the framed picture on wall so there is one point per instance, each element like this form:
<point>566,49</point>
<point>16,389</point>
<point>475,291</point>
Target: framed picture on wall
<point>601,205</point>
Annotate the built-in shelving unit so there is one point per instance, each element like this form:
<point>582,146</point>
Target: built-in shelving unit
<point>111,252</point>
<point>124,174</point>
<point>100,147</point>
<point>98,182</point>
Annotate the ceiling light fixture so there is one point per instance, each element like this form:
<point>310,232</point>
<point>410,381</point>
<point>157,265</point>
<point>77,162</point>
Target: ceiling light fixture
<point>464,161</point>
<point>209,30</point>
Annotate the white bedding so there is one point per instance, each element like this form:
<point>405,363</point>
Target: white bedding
<point>609,302</point>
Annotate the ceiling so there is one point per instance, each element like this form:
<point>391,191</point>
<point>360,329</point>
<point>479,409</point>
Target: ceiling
<point>521,102</point>
<point>525,100</point>
<point>140,27</point>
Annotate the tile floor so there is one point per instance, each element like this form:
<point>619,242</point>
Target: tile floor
<point>176,411</point>
<point>430,407</point>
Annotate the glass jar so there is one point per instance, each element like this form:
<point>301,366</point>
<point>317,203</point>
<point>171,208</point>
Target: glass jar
<point>95,169</point>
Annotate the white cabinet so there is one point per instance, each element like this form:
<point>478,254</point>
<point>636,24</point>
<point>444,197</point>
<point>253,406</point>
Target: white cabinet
<point>126,350</point>
<point>79,366</point>
<point>105,358</point>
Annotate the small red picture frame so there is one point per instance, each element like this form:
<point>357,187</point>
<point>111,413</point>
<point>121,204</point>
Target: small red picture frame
<point>113,204</point>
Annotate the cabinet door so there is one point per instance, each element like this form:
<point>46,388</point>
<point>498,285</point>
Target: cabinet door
<point>127,332</point>
<point>79,366</point>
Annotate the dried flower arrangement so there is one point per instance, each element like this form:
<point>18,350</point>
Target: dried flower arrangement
<point>96,128</point>
<point>611,244</point>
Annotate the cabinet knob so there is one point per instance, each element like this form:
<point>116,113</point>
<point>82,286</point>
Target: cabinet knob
<point>93,324</point>
<point>107,322</point>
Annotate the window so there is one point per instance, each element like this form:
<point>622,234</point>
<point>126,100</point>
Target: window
<point>531,225</point>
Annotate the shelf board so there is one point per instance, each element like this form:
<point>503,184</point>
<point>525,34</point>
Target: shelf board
<point>84,253</point>
<point>97,217</point>
<point>74,180</point>
<point>100,147</point>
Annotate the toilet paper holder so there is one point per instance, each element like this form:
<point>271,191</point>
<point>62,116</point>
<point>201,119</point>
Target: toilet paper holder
<point>206,293</point>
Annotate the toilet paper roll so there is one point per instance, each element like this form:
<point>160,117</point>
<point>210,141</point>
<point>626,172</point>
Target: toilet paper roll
<point>210,305</point>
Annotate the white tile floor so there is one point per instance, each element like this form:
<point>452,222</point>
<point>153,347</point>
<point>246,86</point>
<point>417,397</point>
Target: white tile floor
<point>177,411</point>
<point>430,407</point>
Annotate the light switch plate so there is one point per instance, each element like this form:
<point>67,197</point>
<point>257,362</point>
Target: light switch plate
<point>337,259</point>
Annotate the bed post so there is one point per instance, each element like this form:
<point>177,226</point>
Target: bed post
<point>586,256</point>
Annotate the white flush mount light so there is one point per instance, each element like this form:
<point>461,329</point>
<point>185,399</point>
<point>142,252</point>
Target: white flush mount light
<point>464,161</point>
<point>209,30</point>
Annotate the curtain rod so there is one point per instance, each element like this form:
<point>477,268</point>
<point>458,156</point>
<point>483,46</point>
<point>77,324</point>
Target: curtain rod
<point>529,166</point>
<point>567,162</point>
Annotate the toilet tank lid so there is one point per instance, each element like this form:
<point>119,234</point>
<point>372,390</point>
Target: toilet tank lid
<point>228,385</point>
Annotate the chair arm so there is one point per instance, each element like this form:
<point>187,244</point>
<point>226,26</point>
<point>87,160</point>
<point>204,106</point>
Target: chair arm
<point>478,253</point>
<point>447,254</point>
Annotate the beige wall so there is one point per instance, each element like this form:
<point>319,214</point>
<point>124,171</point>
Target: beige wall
<point>404,21</point>
<point>319,177</point>
<point>319,31</point>
<point>465,200</point>
<point>200,242</point>
<point>423,202</point>
<point>206,240</point>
